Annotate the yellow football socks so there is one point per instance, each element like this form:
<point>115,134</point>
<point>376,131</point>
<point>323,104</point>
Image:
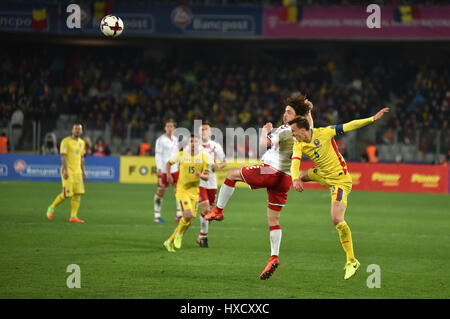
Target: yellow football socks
<point>183,225</point>
<point>345,235</point>
<point>74,205</point>
<point>58,200</point>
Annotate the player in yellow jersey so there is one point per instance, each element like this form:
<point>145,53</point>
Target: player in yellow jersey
<point>193,166</point>
<point>330,171</point>
<point>72,173</point>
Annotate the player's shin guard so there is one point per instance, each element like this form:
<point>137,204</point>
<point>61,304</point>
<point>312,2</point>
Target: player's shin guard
<point>172,237</point>
<point>345,235</point>
<point>58,200</point>
<point>184,225</point>
<point>75,205</point>
<point>226,191</point>
<point>157,205</point>
<point>275,240</point>
<point>203,227</point>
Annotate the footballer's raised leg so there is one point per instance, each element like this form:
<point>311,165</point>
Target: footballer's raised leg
<point>273,217</point>
<point>225,193</point>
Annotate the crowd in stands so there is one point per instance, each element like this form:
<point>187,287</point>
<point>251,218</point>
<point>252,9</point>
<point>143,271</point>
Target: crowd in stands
<point>128,87</point>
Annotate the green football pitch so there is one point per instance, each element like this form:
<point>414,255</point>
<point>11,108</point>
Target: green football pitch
<point>120,254</point>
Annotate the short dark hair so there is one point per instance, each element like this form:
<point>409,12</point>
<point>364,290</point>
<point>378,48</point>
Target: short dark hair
<point>301,122</point>
<point>171,121</point>
<point>298,103</point>
<point>206,122</point>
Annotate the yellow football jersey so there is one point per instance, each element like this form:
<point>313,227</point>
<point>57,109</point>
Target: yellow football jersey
<point>188,166</point>
<point>74,150</point>
<point>323,151</point>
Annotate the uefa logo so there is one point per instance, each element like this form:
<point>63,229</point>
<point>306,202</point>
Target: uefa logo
<point>181,16</point>
<point>20,166</point>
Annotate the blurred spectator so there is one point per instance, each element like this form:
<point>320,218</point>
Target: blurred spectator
<point>4,144</point>
<point>442,161</point>
<point>50,145</point>
<point>100,148</point>
<point>17,119</point>
<point>144,149</point>
<point>388,136</point>
<point>371,151</point>
<point>87,146</point>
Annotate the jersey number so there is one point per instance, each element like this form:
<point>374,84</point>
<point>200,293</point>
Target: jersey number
<point>191,169</point>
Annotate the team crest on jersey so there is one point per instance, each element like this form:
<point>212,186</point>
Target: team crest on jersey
<point>316,142</point>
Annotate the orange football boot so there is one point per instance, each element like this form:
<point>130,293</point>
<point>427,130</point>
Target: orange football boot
<point>270,268</point>
<point>75,220</point>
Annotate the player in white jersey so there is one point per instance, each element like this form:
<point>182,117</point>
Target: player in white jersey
<point>166,148</point>
<point>273,174</point>
<point>208,189</point>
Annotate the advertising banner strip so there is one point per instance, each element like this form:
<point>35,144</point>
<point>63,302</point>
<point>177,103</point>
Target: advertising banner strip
<point>142,170</point>
<point>334,22</point>
<point>138,18</point>
<point>407,178</point>
<point>48,167</point>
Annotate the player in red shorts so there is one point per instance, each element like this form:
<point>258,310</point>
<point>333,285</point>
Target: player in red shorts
<point>273,174</point>
<point>208,189</point>
<point>166,147</point>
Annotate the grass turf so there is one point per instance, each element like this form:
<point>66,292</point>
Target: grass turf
<point>120,253</point>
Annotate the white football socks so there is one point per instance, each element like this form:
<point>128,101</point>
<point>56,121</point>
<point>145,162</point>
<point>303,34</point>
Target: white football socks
<point>203,227</point>
<point>275,240</point>
<point>224,195</point>
<point>157,205</point>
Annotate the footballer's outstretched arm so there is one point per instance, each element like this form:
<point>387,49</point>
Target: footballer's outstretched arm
<point>174,160</point>
<point>158,158</point>
<point>220,165</point>
<point>264,140</point>
<point>203,175</point>
<point>295,168</point>
<point>357,124</point>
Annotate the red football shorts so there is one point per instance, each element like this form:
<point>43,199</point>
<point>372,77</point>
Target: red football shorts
<point>162,181</point>
<point>207,195</point>
<point>264,176</point>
